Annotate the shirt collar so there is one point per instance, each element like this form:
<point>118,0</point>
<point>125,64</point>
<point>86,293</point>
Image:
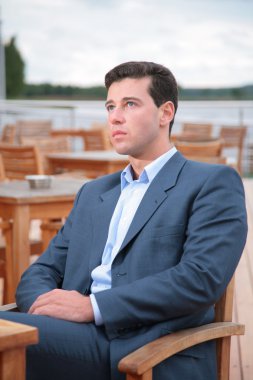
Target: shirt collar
<point>150,170</point>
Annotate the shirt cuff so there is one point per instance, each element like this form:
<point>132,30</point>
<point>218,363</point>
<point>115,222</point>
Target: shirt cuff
<point>97,315</point>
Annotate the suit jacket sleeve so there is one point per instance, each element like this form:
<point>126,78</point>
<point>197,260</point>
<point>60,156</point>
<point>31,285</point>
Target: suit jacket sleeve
<point>47,272</point>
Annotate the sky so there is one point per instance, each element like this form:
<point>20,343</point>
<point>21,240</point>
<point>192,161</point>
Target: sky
<point>205,43</point>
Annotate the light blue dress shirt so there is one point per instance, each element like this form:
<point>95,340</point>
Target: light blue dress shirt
<point>132,192</point>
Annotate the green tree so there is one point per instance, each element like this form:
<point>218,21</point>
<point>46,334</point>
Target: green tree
<point>14,68</point>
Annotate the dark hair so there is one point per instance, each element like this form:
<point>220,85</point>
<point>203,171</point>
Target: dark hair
<point>163,85</point>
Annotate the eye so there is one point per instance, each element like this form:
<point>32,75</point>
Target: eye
<point>110,107</point>
<point>130,103</point>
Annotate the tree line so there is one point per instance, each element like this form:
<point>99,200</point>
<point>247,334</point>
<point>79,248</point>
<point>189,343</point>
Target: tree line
<point>18,88</point>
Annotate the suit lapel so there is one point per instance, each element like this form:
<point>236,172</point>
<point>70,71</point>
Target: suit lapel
<point>155,195</point>
<point>101,219</point>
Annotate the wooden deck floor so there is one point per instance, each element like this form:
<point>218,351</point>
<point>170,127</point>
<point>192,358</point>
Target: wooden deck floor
<point>241,366</point>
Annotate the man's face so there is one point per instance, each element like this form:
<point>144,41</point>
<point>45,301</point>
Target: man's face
<point>133,118</point>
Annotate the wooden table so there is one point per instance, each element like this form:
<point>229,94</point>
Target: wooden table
<point>92,163</point>
<point>22,204</point>
<point>14,337</point>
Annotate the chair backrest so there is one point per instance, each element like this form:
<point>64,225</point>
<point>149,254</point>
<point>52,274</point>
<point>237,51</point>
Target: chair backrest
<point>224,313</point>
<point>138,365</point>
<point>200,149</point>
<point>2,171</point>
<point>8,134</point>
<point>48,145</point>
<point>233,137</point>
<point>98,125</point>
<point>198,129</point>
<point>96,139</point>
<point>19,161</point>
<point>48,230</point>
<point>33,128</point>
<point>75,136</point>
<point>209,159</point>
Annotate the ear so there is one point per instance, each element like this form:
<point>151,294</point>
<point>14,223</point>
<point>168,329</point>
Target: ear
<point>167,111</point>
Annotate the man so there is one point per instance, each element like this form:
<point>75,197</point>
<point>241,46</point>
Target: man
<point>143,253</point>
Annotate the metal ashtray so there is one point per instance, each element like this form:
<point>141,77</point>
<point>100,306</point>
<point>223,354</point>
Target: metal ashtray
<point>39,181</point>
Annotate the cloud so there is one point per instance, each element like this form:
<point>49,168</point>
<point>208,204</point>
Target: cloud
<point>205,43</point>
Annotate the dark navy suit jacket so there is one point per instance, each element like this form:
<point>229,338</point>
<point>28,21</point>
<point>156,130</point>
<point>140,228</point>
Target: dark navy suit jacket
<point>178,256</point>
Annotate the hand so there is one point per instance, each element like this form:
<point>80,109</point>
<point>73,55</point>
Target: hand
<point>64,304</point>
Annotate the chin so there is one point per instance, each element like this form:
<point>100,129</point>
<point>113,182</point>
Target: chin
<point>121,150</point>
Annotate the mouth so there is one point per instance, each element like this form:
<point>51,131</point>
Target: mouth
<point>118,133</point>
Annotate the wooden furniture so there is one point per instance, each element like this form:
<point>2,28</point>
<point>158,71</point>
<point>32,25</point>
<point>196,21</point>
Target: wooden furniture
<point>197,129</point>
<point>8,134</point>
<point>93,139</point>
<point>96,139</point>
<point>49,230</point>
<point>47,145</point>
<point>93,164</point>
<point>199,149</point>
<point>74,135</point>
<point>98,125</point>
<point>209,159</point>
<point>139,364</point>
<point>67,132</point>
<point>21,204</point>
<point>233,137</point>
<point>33,128</point>
<point>2,171</point>
<point>6,262</point>
<point>19,161</point>
<point>14,337</point>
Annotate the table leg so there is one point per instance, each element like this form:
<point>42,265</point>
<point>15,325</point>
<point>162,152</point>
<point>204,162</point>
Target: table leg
<point>21,246</point>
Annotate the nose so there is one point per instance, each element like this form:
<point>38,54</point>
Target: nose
<point>116,116</point>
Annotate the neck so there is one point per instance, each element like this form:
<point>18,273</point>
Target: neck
<point>138,164</point>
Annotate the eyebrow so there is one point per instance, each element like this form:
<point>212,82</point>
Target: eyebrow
<point>125,99</point>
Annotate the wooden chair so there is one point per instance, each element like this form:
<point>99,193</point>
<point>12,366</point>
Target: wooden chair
<point>33,128</point>
<point>98,125</point>
<point>209,159</point>
<point>6,262</point>
<point>203,130</point>
<point>139,364</point>
<point>14,337</point>
<point>196,150</point>
<point>19,161</point>
<point>49,229</point>
<point>47,145</point>
<point>67,132</point>
<point>96,139</point>
<point>233,137</point>
<point>2,171</point>
<point>8,134</point>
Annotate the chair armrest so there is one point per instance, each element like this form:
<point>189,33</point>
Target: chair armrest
<point>148,356</point>
<point>9,307</point>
